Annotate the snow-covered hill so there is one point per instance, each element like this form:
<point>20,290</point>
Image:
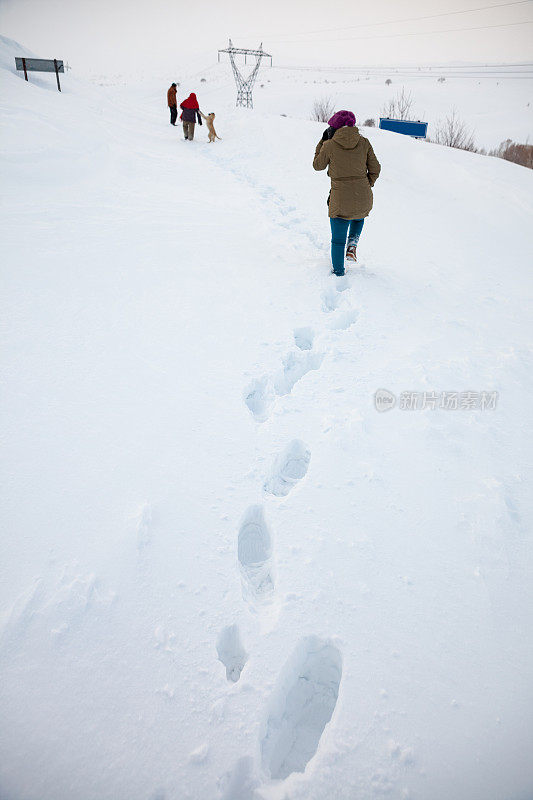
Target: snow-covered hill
<point>225,574</point>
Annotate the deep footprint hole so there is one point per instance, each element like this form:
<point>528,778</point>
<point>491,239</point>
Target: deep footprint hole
<point>301,708</point>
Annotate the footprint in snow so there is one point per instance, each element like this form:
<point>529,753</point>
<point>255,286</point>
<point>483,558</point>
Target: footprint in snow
<point>343,320</point>
<point>342,283</point>
<point>301,707</point>
<point>295,366</point>
<point>259,397</point>
<point>304,337</point>
<point>254,549</point>
<point>289,467</point>
<point>331,298</point>
<point>231,652</point>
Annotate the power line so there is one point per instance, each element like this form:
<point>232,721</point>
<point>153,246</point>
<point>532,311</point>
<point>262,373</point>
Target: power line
<point>405,19</point>
<point>411,72</point>
<point>388,67</point>
<point>414,33</point>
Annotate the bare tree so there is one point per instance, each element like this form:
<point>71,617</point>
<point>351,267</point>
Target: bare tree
<point>512,151</point>
<point>388,81</point>
<point>323,109</point>
<point>399,107</point>
<point>453,132</point>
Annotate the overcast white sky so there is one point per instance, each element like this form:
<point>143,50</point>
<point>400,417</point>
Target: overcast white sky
<point>108,36</point>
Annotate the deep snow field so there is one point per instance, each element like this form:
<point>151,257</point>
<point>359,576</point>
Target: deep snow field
<point>225,575</point>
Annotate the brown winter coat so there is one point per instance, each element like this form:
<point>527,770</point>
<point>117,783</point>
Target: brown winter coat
<point>171,97</point>
<point>353,169</point>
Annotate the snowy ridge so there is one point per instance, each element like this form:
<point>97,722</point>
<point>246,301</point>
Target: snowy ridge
<point>9,50</point>
<point>225,574</point>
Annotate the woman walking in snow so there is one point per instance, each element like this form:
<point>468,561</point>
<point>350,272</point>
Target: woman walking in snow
<point>353,169</point>
<point>190,112</point>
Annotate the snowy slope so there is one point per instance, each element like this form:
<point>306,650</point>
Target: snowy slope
<point>225,575</point>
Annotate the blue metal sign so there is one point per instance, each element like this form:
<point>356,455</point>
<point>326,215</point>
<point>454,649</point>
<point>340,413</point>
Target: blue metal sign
<point>405,126</point>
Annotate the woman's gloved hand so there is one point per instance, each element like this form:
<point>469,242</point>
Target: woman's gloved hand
<point>328,133</point>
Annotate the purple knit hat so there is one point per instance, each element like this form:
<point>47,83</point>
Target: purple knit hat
<point>341,118</point>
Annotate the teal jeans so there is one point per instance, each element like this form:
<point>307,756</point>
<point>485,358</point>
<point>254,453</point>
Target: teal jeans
<point>340,228</point>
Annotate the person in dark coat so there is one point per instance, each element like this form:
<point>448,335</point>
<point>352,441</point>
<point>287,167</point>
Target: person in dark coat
<point>172,104</point>
<point>353,169</point>
<point>190,113</point>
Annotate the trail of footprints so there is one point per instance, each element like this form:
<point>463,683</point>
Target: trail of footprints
<point>307,689</point>
<point>261,394</point>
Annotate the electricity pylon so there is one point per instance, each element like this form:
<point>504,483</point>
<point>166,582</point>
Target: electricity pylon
<point>245,85</point>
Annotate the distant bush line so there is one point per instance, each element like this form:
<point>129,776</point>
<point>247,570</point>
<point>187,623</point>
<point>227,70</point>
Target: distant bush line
<point>450,132</point>
<point>517,153</point>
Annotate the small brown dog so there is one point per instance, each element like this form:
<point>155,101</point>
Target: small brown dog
<point>212,134</point>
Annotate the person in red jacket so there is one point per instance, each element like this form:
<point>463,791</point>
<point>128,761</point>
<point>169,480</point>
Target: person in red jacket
<point>190,112</point>
<point>172,104</point>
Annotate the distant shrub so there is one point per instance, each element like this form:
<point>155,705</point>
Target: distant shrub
<point>452,132</point>
<point>517,153</point>
<point>388,82</point>
<point>202,80</point>
<point>370,123</point>
<point>441,79</point>
<point>399,107</point>
<point>322,109</point>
